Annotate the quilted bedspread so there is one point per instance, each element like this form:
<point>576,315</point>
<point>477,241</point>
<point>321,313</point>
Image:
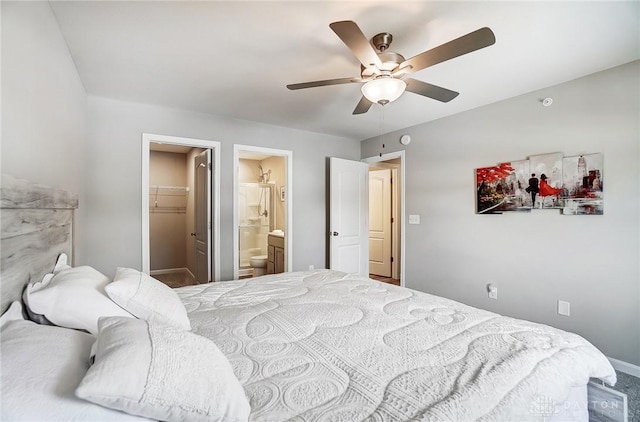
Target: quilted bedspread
<point>327,346</point>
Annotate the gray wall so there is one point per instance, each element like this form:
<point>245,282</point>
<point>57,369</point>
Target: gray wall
<point>52,133</point>
<point>112,235</point>
<point>540,257</point>
<point>44,107</point>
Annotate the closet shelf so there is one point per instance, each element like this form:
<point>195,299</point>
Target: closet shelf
<point>171,199</point>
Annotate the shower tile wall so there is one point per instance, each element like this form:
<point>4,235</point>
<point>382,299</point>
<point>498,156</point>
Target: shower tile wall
<point>255,208</point>
<point>277,166</point>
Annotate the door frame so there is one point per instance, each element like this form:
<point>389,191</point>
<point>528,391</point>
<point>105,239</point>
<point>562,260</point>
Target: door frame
<point>214,146</point>
<point>386,157</point>
<point>197,210</point>
<point>288,235</point>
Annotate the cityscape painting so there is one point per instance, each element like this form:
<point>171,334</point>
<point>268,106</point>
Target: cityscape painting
<point>572,184</point>
<point>502,188</point>
<point>546,173</point>
<point>582,185</point>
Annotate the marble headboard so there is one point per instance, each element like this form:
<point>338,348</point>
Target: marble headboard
<point>37,226</point>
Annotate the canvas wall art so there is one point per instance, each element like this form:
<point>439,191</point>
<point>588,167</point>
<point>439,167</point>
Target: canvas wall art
<point>574,185</point>
<point>545,181</point>
<point>502,188</point>
<point>521,176</point>
<point>583,185</point>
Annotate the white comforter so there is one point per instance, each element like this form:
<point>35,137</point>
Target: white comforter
<point>328,346</point>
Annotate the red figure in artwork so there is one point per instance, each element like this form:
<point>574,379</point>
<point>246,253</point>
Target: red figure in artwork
<point>545,189</point>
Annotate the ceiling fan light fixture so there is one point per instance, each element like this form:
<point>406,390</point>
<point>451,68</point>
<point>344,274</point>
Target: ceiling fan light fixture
<point>383,89</point>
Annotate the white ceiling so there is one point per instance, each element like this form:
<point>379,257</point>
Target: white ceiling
<point>234,58</point>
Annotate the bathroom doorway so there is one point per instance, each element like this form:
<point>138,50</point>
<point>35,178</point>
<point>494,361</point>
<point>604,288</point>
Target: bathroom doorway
<point>180,190</point>
<point>262,211</point>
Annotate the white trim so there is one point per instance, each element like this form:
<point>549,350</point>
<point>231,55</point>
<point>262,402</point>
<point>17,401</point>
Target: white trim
<point>147,139</point>
<point>288,237</point>
<point>403,183</point>
<point>627,368</point>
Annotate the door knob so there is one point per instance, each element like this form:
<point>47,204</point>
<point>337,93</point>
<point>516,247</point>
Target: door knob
<point>193,234</point>
<point>334,233</point>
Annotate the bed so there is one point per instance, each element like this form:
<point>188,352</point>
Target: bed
<point>305,346</point>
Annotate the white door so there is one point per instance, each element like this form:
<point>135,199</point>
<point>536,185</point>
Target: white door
<point>348,216</point>
<point>202,201</point>
<point>380,222</point>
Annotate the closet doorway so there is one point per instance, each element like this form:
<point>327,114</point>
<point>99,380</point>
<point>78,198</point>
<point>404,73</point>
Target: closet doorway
<point>262,211</point>
<point>180,191</point>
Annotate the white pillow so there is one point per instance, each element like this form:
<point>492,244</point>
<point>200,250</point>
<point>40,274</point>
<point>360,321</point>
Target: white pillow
<point>73,298</point>
<point>147,298</point>
<point>61,263</point>
<point>40,319</point>
<point>13,313</point>
<point>162,372</point>
<point>41,367</point>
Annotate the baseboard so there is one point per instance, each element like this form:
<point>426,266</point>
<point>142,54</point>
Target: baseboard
<point>627,368</point>
<point>171,271</point>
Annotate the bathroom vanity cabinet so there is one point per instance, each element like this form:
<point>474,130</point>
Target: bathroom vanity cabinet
<point>275,254</point>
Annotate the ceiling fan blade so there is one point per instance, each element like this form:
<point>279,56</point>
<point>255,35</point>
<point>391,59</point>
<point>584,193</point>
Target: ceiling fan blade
<point>473,41</point>
<point>401,71</point>
<point>363,106</point>
<point>428,90</point>
<point>352,36</point>
<point>323,83</point>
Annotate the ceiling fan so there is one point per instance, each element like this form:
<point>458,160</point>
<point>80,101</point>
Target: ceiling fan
<point>383,72</point>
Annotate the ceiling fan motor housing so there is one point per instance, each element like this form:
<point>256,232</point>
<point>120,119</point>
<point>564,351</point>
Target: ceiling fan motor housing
<point>382,41</point>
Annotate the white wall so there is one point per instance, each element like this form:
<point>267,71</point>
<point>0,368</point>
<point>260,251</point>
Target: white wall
<point>44,105</point>
<point>112,237</point>
<point>539,257</point>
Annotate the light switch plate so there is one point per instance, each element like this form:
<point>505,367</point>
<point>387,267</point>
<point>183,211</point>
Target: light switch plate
<point>414,219</point>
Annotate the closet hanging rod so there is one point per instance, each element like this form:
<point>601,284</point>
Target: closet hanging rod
<point>168,198</point>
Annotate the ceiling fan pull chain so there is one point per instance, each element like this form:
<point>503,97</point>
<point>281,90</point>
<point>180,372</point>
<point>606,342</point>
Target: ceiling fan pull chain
<point>381,129</point>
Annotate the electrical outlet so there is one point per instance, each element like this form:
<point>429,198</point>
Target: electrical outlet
<point>492,291</point>
<point>311,267</point>
<point>564,308</point>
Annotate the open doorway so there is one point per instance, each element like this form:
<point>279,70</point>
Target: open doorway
<point>386,223</point>
<point>262,211</point>
<point>180,191</point>
<point>351,203</point>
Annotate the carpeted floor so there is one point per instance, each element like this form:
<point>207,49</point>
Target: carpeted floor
<point>385,279</point>
<point>177,279</point>
<point>630,385</point>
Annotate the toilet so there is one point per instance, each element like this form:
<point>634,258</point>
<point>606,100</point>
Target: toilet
<point>259,264</point>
